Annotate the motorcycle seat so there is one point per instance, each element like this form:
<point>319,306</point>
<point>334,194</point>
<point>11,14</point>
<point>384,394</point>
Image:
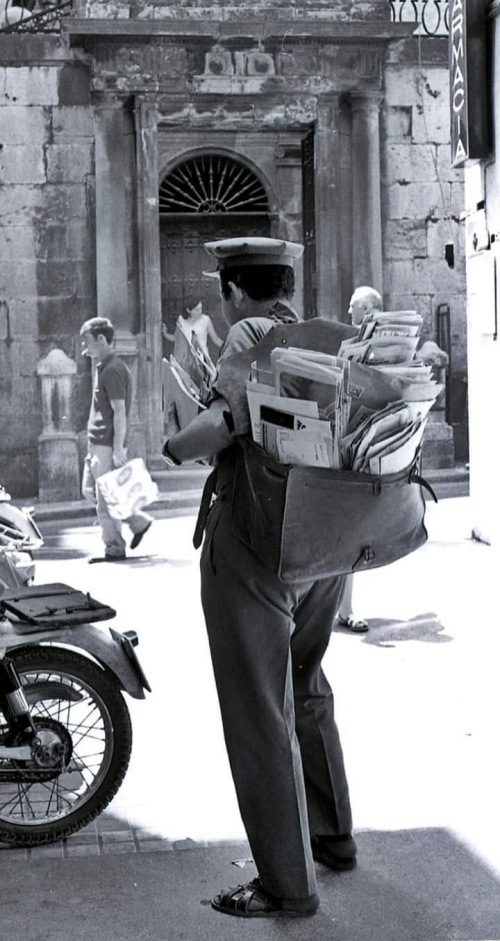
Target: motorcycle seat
<point>52,606</point>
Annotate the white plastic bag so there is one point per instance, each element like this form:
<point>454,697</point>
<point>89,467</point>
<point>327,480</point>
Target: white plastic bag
<point>128,489</point>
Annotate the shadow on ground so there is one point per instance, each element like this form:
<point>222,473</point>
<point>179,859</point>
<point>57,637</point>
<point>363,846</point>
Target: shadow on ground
<point>384,632</point>
<point>412,885</point>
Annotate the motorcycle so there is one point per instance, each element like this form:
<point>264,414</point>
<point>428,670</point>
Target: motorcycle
<point>65,729</point>
<point>19,536</point>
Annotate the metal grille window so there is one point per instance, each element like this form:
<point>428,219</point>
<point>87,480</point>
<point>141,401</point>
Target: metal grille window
<point>212,184</point>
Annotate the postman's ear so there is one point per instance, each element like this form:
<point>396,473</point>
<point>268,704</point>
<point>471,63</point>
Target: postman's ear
<point>237,295</point>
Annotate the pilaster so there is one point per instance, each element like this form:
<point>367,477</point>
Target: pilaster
<point>327,208</point>
<point>148,242</point>
<point>366,198</point>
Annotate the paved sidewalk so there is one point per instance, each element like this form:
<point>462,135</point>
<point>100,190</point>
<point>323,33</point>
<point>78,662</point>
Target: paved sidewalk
<point>417,703</point>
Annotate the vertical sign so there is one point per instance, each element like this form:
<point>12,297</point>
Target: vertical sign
<point>468,87</point>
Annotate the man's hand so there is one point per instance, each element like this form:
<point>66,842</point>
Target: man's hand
<point>119,457</point>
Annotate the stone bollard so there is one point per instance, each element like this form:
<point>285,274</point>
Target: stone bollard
<point>58,469</point>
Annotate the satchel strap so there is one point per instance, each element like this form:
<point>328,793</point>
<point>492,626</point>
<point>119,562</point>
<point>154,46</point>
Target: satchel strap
<point>417,479</point>
<point>206,499</point>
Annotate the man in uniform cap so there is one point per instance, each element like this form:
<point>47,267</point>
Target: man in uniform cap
<point>267,638</point>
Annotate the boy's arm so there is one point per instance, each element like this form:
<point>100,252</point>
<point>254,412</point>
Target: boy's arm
<point>119,432</point>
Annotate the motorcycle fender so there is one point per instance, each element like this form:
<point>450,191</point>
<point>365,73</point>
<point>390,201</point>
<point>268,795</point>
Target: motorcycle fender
<point>106,649</point>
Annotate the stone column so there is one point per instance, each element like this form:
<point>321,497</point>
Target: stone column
<point>366,200</point>
<point>110,214</point>
<point>58,464</point>
<point>327,208</point>
<point>148,239</point>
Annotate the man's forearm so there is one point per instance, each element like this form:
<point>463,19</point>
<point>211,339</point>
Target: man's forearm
<point>119,431</point>
<point>205,436</point>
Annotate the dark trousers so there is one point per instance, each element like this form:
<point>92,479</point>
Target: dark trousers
<point>267,640</point>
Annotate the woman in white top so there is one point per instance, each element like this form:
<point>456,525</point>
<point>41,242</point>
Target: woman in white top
<point>193,322</point>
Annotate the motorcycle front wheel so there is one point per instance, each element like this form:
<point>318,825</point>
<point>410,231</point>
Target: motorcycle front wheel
<point>85,734</point>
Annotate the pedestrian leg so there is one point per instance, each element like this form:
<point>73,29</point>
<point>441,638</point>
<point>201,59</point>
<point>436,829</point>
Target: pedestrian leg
<point>101,461</point>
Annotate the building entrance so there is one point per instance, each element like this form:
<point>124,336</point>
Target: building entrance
<point>208,197</point>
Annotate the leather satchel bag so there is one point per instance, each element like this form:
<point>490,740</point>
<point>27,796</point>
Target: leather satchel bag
<point>307,522</point>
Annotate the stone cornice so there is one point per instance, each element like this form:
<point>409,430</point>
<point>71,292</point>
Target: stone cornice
<point>185,30</point>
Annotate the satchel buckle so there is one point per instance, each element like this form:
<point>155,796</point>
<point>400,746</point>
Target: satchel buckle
<point>367,556</point>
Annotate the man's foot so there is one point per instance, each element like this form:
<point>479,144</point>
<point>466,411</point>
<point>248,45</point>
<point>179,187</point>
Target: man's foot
<point>356,625</point>
<point>252,901</point>
<point>106,558</point>
<point>336,853</point>
<point>137,537</point>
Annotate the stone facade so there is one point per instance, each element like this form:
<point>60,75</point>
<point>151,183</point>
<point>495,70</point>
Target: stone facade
<point>91,121</point>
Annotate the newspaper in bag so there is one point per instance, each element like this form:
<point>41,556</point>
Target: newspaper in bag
<point>128,489</point>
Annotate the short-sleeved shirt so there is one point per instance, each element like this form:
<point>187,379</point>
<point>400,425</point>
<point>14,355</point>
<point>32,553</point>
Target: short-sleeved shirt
<point>112,381</point>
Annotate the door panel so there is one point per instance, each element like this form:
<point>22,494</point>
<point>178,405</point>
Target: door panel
<point>183,259</point>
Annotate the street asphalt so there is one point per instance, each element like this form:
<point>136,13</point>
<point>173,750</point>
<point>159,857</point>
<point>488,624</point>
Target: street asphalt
<point>417,701</point>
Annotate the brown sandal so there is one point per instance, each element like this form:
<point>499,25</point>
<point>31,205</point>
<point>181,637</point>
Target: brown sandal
<point>252,901</point>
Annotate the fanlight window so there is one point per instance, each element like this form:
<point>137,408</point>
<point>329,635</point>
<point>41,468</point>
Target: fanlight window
<point>211,184</point>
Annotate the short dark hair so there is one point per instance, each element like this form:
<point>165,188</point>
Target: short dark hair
<point>260,282</point>
<point>99,326</point>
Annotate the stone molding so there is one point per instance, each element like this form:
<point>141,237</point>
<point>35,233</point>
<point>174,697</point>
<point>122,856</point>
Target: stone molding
<point>188,29</point>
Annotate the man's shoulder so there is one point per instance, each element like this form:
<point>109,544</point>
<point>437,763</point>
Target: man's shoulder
<point>115,365</point>
<point>115,377</point>
<point>245,334</point>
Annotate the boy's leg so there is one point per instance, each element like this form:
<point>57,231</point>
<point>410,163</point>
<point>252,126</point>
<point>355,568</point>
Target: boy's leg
<point>101,461</point>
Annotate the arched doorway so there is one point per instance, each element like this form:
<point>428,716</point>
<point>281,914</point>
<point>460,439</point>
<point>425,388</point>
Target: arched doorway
<point>206,197</point>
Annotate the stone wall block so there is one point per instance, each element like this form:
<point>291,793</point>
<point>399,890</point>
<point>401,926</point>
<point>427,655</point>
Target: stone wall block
<point>413,200</point>
<point>107,9</point>
<point>19,278</point>
<point>69,163</point>
<point>18,204</point>
<point>68,123</point>
<point>432,276</point>
<point>58,242</point>
<point>61,277</point>
<point>431,122</point>
<point>405,239</point>
<point>446,171</point>
<point>397,122</point>
<point>32,85</point>
<point>64,314</point>
<point>410,162</point>
<point>66,201</point>
<point>439,233</point>
<point>402,87</point>
<point>16,242</point>
<point>23,125</point>
<point>22,164</point>
<point>399,277</point>
<point>406,299</point>
<point>23,319</point>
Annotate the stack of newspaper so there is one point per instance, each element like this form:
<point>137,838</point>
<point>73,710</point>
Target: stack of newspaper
<point>299,411</point>
<point>364,410</point>
<point>192,367</point>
